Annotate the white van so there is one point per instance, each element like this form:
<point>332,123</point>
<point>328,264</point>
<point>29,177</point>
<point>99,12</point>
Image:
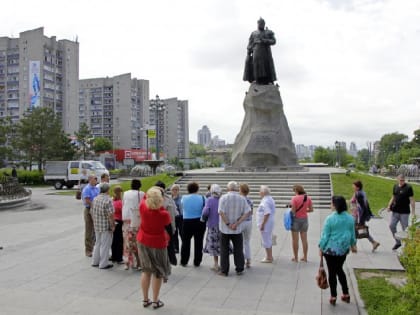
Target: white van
<point>67,173</point>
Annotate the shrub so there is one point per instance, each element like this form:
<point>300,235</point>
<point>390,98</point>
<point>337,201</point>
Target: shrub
<point>34,177</point>
<point>410,259</point>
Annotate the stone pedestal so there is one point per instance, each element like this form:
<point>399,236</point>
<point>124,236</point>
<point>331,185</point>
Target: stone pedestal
<point>264,142</point>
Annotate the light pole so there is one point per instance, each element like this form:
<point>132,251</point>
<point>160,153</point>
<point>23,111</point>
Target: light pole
<point>157,105</point>
<point>337,147</point>
<point>146,128</point>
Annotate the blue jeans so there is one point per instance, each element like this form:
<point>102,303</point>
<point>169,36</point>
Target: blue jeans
<point>395,218</point>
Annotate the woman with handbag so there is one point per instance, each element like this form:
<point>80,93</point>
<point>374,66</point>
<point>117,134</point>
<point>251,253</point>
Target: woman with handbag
<point>361,211</point>
<point>131,222</point>
<point>337,238</point>
<point>301,204</point>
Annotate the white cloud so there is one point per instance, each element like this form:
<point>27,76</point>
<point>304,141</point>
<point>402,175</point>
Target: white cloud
<point>347,70</point>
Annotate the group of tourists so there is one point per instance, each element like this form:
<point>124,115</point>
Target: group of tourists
<point>145,231</point>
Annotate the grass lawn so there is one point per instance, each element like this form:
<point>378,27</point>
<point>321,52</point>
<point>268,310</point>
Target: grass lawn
<point>379,293</point>
<point>378,189</point>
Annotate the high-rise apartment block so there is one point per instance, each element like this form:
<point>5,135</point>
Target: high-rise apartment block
<point>39,71</point>
<point>204,136</point>
<point>115,108</point>
<point>173,128</point>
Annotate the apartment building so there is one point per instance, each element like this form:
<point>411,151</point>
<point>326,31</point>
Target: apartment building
<point>116,108</point>
<point>39,71</point>
<point>173,128</point>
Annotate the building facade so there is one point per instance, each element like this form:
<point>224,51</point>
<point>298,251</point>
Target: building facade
<point>173,128</point>
<point>39,71</point>
<point>204,136</point>
<point>115,108</point>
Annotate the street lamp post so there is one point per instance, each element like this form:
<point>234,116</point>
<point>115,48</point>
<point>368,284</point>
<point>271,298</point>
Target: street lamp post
<point>147,143</point>
<point>337,148</point>
<point>146,128</point>
<point>157,105</point>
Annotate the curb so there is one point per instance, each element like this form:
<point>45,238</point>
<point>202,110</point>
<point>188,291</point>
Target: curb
<point>353,284</point>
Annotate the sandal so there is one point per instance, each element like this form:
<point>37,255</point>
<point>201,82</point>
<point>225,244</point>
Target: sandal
<point>333,300</point>
<point>147,303</point>
<point>158,304</point>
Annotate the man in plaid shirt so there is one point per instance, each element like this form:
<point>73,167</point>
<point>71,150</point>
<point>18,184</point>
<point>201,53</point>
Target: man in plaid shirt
<point>102,212</point>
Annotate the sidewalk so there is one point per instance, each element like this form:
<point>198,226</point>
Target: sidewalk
<point>43,270</point>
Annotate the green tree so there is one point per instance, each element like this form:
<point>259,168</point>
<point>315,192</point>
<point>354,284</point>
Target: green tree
<point>363,159</point>
<point>65,150</point>
<point>37,135</point>
<point>83,137</point>
<point>416,139</point>
<point>197,150</point>
<point>323,155</point>
<point>101,144</point>
<point>6,128</point>
<point>389,145</point>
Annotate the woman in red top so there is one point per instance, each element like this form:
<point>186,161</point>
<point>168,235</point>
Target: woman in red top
<point>301,204</point>
<point>117,239</point>
<point>153,240</point>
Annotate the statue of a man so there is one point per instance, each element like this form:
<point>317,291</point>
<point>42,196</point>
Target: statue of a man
<point>259,65</point>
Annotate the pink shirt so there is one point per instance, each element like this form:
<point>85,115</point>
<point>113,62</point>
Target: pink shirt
<point>297,202</point>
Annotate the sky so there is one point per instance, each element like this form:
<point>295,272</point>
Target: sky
<point>348,70</point>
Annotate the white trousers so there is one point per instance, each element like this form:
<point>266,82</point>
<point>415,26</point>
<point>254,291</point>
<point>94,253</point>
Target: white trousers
<point>246,234</point>
<point>102,248</point>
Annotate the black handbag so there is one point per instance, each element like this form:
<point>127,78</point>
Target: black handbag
<point>362,231</point>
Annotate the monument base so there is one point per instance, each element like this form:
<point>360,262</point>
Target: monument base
<point>264,142</point>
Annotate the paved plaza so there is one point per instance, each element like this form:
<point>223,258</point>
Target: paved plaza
<point>43,270</point>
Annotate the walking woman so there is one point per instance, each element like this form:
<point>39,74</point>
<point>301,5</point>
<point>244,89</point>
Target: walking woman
<point>337,238</point>
<point>301,204</point>
<point>153,239</point>
<point>361,211</point>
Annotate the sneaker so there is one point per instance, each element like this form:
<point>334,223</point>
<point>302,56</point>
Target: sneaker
<point>396,246</point>
<point>239,273</point>
<point>375,245</point>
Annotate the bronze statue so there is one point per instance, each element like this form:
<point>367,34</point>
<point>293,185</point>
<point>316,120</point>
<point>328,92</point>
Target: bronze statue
<point>259,64</point>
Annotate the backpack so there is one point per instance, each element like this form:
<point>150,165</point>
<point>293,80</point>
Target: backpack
<point>288,219</point>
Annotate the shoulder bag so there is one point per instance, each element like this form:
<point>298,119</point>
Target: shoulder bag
<point>321,276</point>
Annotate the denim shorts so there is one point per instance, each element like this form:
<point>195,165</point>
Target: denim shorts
<point>300,225</point>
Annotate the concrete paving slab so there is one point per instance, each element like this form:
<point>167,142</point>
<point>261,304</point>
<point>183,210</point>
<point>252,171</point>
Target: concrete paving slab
<point>43,270</point>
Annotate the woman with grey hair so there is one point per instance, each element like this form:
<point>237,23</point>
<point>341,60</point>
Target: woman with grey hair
<point>265,222</point>
<point>211,216</point>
